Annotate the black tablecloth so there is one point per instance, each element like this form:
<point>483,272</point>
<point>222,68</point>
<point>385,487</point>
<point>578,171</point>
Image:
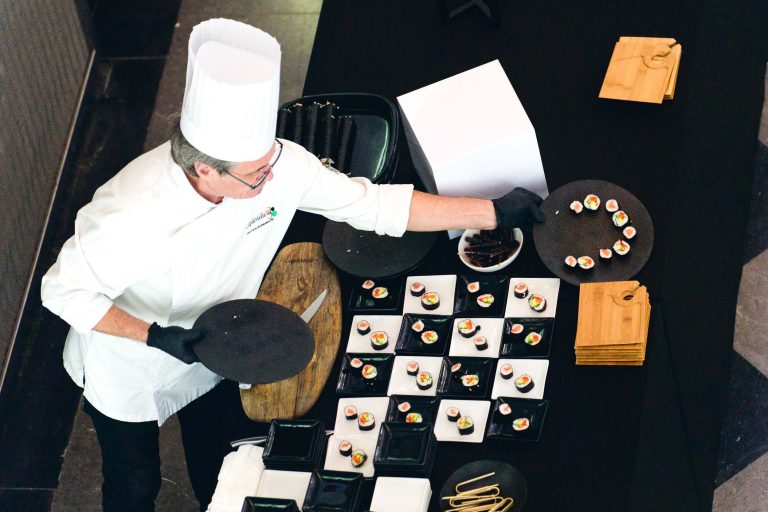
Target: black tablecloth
<point>614,438</point>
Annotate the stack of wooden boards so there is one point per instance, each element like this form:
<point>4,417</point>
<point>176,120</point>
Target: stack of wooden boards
<point>612,328</point>
<point>642,69</point>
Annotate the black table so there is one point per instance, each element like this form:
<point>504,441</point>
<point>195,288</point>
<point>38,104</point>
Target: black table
<point>615,438</point>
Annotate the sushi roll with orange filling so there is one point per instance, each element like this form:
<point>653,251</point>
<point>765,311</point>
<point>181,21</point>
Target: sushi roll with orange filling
<point>505,410</point>
<point>521,290</point>
<point>570,261</point>
<point>592,202</point>
<point>473,287</point>
<point>424,380</point>
<point>470,381</point>
<point>412,368</point>
<point>345,448</point>
<point>520,424</point>
<point>620,219</point>
<point>379,340</point>
<point>358,458</point>
<point>466,425</point>
<point>606,254</point>
<point>350,412</point>
<point>430,301</point>
<point>417,289</point>
<point>481,342</point>
<point>576,207</point>
<point>586,262</point>
<point>429,337</point>
<point>369,373</point>
<point>485,300</point>
<point>611,205</point>
<point>621,247</point>
<point>537,303</point>
<point>366,421</point>
<point>453,413</point>
<point>629,232</point>
<point>524,383</point>
<point>516,328</point>
<point>533,339</point>
<point>506,371</point>
<point>413,417</point>
<point>363,327</point>
<point>368,284</point>
<point>379,292</point>
<point>418,326</point>
<point>467,328</point>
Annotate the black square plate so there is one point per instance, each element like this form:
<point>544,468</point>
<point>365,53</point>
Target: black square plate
<point>409,341</point>
<point>361,300</point>
<point>466,302</point>
<point>427,406</point>
<point>294,443</point>
<point>514,345</point>
<point>500,426</point>
<point>404,445</point>
<point>256,504</point>
<point>337,491</point>
<point>450,385</point>
<point>351,382</point>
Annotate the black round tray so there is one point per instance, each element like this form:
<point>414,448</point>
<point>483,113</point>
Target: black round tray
<point>511,482</point>
<point>565,233</point>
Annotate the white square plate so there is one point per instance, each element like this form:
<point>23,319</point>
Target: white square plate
<point>536,368</point>
<point>400,383</point>
<point>289,485</point>
<point>491,328</point>
<point>444,286</point>
<point>375,405</point>
<point>361,343</point>
<point>395,494</point>
<point>446,430</point>
<point>548,287</point>
<point>338,462</point>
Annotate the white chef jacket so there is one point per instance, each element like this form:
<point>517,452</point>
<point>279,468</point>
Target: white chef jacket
<point>151,245</point>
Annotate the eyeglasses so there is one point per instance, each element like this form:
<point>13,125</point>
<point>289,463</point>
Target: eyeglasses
<point>264,169</point>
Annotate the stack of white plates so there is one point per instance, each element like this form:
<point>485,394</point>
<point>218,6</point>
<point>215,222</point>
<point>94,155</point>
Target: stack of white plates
<point>396,494</point>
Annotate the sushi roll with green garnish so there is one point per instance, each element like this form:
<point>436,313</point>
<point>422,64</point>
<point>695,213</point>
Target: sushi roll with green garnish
<point>521,424</point>
<point>524,383</point>
<point>358,458</point>
<point>592,202</point>
<point>466,425</point>
<point>470,382</point>
<point>363,327</point>
<point>379,340</point>
<point>369,372</point>
<point>424,380</point>
<point>620,218</point>
<point>537,303</point>
<point>379,292</point>
<point>413,417</point>
<point>586,262</point>
<point>430,301</point>
<point>417,289</point>
<point>621,247</point>
<point>533,339</point>
<point>429,337</point>
<point>467,328</point>
<point>366,421</point>
<point>485,300</point>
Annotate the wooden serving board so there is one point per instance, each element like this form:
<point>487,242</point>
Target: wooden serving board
<point>299,273</point>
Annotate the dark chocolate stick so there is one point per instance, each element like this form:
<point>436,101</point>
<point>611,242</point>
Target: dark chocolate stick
<point>298,122</point>
<point>310,127</point>
<point>328,131</point>
<point>346,143</point>
<point>283,118</point>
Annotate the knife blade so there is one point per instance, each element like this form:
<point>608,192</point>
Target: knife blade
<point>312,309</point>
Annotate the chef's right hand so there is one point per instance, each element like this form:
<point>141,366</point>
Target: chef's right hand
<point>175,341</point>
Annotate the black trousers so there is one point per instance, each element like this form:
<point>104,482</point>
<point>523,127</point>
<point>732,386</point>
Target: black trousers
<point>130,452</point>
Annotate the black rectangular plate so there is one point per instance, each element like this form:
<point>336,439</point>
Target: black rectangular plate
<point>404,444</point>
<point>500,426</point>
<point>450,386</point>
<point>466,303</point>
<point>333,491</point>
<point>351,383</point>
<point>427,406</point>
<point>293,441</point>
<point>256,504</point>
<point>514,345</point>
<point>409,341</point>
<point>361,300</point>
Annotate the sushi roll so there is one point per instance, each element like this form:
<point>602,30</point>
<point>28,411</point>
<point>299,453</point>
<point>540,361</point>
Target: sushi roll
<point>524,383</point>
<point>576,207</point>
<point>571,261</point>
<point>358,458</point>
<point>413,417</point>
<point>621,247</point>
<point>533,339</point>
<point>629,232</point>
<point>430,301</point>
<point>424,380</point>
<point>366,421</point>
<point>453,413</point>
<point>379,340</point>
<point>521,424</point>
<point>417,289</point>
<point>369,372</point>
<point>516,328</point>
<point>505,409</point>
<point>345,448</point>
<point>356,364</point>
<point>521,290</point>
<point>481,342</point>
<point>379,292</point>
<point>506,371</point>
<point>418,326</point>
<point>605,254</point>
<point>412,368</point>
<point>363,327</point>
<point>611,205</point>
<point>620,219</point>
<point>592,202</point>
<point>350,412</point>
<point>404,407</point>
<point>485,300</point>
<point>368,284</point>
<point>586,262</point>
<point>467,328</point>
<point>471,381</point>
<point>465,425</point>
<point>455,369</point>
<point>537,303</point>
<point>429,337</point>
<point>473,287</point>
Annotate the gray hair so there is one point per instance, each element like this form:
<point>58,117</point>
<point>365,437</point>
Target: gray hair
<point>185,154</point>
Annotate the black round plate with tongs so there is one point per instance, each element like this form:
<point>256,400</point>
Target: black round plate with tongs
<point>565,233</point>
<point>254,341</point>
<point>511,482</point>
<point>367,255</point>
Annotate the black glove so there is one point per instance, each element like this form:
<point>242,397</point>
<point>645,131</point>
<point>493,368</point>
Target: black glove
<point>175,341</point>
<point>518,208</point>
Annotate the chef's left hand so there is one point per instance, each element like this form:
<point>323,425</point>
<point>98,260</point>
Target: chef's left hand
<point>175,341</point>
<point>518,209</point>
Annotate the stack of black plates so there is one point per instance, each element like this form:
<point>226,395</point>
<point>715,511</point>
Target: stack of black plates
<point>333,491</point>
<point>254,504</point>
<point>294,445</point>
<point>405,449</point>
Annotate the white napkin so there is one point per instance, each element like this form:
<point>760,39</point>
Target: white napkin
<point>396,494</point>
<point>239,477</point>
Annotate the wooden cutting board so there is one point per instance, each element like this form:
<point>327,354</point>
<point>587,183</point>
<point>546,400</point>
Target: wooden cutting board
<point>299,273</point>
<point>611,313</point>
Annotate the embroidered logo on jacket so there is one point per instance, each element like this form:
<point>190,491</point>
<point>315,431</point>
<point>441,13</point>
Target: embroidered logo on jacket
<point>261,220</point>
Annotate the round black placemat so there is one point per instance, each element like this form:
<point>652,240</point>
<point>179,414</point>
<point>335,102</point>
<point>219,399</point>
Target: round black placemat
<point>254,341</point>
<point>565,233</point>
<point>368,255</point>
<point>511,482</point>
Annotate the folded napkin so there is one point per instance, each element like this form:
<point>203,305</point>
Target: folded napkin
<point>397,494</point>
<point>239,476</point>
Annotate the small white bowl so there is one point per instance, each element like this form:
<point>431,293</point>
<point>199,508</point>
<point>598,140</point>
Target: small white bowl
<point>517,233</point>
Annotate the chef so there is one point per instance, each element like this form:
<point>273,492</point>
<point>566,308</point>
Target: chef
<point>193,223</point>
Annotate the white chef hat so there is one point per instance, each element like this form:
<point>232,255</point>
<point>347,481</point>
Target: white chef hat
<point>232,92</point>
